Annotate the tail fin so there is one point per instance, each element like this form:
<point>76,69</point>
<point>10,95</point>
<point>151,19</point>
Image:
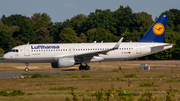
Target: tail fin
<point>157,30</point>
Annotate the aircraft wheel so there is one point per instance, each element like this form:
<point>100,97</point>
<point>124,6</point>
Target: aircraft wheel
<point>87,67</point>
<point>26,69</point>
<point>81,67</point>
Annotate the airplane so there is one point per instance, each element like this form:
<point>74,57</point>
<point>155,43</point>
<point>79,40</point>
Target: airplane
<point>70,54</point>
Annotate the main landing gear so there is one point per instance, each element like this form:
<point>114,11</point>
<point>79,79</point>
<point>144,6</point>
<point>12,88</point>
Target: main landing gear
<point>86,67</point>
<point>26,69</point>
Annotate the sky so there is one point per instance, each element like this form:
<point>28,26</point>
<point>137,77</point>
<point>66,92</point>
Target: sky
<point>60,10</point>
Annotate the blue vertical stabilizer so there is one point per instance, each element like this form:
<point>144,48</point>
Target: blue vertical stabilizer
<point>157,30</point>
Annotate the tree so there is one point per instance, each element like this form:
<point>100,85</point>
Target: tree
<point>142,22</point>
<point>55,30</point>
<point>101,19</point>
<point>1,51</point>
<point>17,42</point>
<point>27,34</point>
<point>6,40</point>
<point>78,23</point>
<point>13,20</point>
<point>40,24</point>
<point>101,34</point>
<point>174,19</point>
<point>124,20</point>
<point>43,36</point>
<point>81,38</point>
<point>68,35</point>
<point>131,36</point>
<point>41,20</point>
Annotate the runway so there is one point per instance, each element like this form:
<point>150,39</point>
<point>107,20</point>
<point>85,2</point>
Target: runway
<point>101,67</point>
<point>18,74</point>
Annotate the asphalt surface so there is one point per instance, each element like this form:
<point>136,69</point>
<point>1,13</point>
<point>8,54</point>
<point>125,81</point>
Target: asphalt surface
<point>18,74</point>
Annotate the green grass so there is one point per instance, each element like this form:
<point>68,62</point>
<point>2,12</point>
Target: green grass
<point>6,67</point>
<point>85,76</point>
<point>131,76</point>
<point>88,83</point>
<point>147,84</point>
<point>161,76</point>
<point>13,93</point>
<point>35,75</point>
<point>63,88</point>
<point>74,76</point>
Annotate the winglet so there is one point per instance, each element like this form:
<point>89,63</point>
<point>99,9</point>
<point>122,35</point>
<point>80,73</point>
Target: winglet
<point>117,45</point>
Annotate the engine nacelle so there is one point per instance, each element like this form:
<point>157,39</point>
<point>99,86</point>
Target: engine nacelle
<point>63,62</point>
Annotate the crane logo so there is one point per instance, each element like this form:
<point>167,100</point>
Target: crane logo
<point>158,28</point>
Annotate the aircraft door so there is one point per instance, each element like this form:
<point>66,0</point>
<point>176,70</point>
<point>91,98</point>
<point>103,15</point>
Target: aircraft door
<point>26,50</point>
<point>138,49</point>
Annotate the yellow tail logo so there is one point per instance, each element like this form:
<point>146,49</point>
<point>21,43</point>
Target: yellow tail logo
<point>158,28</point>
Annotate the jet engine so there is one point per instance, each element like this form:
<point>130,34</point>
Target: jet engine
<point>63,62</point>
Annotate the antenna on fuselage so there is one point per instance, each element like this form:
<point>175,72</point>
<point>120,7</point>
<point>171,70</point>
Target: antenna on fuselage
<point>28,43</point>
<point>94,41</point>
<point>102,41</point>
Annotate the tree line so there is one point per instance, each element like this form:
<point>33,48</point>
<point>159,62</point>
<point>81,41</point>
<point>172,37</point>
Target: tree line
<point>101,25</point>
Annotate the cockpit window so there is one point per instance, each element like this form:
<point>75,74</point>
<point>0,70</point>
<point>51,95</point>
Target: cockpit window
<point>14,50</point>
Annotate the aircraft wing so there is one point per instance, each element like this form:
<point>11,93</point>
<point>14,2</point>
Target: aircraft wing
<point>96,53</point>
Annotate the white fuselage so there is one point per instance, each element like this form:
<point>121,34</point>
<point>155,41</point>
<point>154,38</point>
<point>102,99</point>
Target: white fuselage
<point>41,53</point>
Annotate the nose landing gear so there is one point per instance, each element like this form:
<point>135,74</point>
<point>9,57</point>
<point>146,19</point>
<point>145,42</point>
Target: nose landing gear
<point>26,69</point>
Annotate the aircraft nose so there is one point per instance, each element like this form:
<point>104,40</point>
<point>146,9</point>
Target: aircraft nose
<point>5,56</point>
